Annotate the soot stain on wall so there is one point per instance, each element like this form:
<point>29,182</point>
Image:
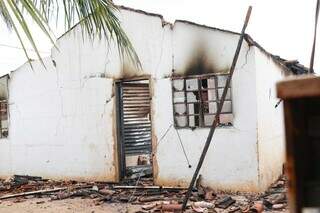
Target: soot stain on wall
<point>200,63</point>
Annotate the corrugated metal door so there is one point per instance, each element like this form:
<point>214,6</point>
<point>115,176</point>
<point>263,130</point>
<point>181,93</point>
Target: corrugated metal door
<point>136,118</point>
<point>134,123</point>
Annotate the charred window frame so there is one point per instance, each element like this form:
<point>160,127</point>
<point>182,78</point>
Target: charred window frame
<point>4,112</point>
<point>4,119</point>
<point>196,99</point>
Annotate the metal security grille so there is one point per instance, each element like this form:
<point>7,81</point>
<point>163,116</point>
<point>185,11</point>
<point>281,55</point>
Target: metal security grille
<point>135,118</point>
<point>196,99</point>
<point>3,118</point>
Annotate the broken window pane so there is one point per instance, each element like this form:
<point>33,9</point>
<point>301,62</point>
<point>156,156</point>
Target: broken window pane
<point>192,97</point>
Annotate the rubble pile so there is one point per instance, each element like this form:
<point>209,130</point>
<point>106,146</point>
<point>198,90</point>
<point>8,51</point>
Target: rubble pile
<point>143,193</point>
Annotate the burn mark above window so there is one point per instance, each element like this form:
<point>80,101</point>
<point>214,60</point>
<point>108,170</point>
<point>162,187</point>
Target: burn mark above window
<point>196,99</point>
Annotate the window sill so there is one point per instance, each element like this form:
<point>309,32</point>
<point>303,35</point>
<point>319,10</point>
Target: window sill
<point>207,127</point>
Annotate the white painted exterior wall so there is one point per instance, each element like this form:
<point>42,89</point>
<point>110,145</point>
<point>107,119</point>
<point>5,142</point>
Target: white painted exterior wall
<point>270,135</point>
<point>62,120</point>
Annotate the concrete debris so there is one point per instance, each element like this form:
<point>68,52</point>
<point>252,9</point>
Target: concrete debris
<point>144,195</point>
<point>203,204</point>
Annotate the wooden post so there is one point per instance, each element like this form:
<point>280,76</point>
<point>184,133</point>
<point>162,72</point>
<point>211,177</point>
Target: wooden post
<point>314,38</point>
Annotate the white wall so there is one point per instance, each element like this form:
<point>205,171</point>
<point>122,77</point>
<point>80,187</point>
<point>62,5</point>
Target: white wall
<point>270,133</point>
<point>57,129</point>
<point>63,121</point>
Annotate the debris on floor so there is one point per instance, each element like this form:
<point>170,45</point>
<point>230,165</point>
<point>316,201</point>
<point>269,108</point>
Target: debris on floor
<point>147,197</point>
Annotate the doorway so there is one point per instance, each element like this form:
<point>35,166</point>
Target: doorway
<point>134,128</point>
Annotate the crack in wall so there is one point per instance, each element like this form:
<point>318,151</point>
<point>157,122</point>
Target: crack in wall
<point>246,58</point>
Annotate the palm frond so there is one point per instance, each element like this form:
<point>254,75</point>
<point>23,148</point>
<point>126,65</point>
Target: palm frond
<point>97,19</point>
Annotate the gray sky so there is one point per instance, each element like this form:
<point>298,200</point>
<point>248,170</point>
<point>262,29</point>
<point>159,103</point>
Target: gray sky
<point>283,27</point>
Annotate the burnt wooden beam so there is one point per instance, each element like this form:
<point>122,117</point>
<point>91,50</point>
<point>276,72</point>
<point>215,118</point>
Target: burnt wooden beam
<point>216,120</point>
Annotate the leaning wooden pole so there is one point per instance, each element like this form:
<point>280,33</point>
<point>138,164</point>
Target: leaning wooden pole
<point>314,38</point>
<point>215,122</point>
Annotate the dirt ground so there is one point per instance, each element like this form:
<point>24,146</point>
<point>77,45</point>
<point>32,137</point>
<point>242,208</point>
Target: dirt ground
<point>76,205</point>
<point>33,194</point>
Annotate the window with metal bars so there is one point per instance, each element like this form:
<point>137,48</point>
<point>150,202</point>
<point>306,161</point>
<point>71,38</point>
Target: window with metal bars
<point>3,119</point>
<point>196,99</point>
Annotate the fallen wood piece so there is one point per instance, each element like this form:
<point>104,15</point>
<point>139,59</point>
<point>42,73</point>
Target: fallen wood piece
<point>72,193</point>
<point>150,193</point>
<point>151,199</point>
<point>61,195</point>
<point>32,193</point>
<point>149,187</point>
<point>42,191</point>
<point>225,202</point>
<point>33,178</point>
<point>106,192</point>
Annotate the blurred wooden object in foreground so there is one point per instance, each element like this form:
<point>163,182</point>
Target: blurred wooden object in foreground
<point>301,99</point>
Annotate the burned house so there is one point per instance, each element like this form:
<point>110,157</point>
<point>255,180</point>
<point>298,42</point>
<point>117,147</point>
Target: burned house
<point>88,115</point>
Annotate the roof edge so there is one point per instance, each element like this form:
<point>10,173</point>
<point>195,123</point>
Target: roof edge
<point>140,11</point>
<point>299,68</point>
<point>295,68</point>
<point>205,26</point>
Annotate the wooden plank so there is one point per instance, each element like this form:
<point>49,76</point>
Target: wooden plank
<point>40,192</point>
<point>299,87</point>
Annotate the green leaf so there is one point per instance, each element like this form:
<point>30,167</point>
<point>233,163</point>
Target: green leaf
<point>97,19</point>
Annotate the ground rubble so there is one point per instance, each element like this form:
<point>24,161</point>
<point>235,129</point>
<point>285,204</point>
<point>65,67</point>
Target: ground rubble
<point>143,194</point>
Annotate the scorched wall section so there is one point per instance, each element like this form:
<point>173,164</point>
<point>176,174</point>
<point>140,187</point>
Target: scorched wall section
<point>231,162</point>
